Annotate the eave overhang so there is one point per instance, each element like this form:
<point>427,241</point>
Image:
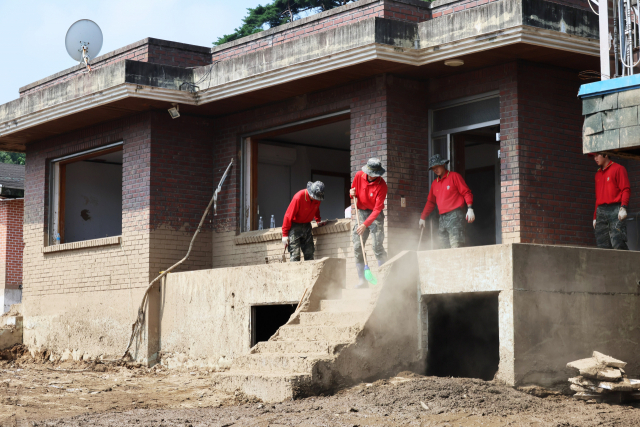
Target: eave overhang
<point>131,86</point>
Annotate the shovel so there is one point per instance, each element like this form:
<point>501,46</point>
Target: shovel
<point>367,271</point>
<point>420,240</point>
<point>284,258</point>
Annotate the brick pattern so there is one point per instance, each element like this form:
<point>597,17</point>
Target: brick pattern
<point>344,15</point>
<point>148,52</point>
<point>105,241</point>
<point>98,268</point>
<point>11,244</point>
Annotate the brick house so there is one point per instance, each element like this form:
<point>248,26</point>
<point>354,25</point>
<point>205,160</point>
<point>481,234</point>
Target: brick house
<point>11,244</point>
<point>123,185</point>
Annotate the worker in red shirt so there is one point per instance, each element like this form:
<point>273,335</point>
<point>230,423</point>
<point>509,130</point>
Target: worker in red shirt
<point>370,190</point>
<point>612,198</point>
<point>451,194</point>
<point>296,226</point>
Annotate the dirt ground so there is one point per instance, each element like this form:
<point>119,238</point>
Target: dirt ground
<point>34,393</point>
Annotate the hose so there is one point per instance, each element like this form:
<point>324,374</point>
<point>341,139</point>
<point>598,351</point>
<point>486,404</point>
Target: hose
<point>135,328</point>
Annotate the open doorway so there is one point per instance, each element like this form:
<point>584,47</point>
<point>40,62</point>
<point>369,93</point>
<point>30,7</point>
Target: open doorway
<point>279,163</point>
<point>463,335</point>
<point>476,158</point>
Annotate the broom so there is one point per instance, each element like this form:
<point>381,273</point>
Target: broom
<point>367,271</point>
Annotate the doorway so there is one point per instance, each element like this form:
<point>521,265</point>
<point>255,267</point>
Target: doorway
<point>467,132</point>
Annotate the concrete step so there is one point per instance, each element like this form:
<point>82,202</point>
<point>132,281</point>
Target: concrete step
<point>268,386</point>
<point>328,318</point>
<point>302,347</point>
<point>343,305</point>
<point>332,334</point>
<point>275,362</point>
<point>356,293</point>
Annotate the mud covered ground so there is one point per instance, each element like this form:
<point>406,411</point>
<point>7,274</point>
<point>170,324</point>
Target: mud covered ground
<point>34,393</point>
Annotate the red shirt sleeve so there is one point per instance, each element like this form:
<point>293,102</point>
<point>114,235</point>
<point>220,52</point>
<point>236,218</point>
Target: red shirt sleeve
<point>317,215</point>
<point>430,205</point>
<point>463,189</point>
<point>379,206</point>
<point>286,222</point>
<point>623,184</point>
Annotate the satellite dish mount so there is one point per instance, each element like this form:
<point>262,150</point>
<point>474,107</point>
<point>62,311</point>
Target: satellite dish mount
<point>84,41</point>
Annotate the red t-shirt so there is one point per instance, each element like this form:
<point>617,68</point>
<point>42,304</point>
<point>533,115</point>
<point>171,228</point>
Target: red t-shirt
<point>302,209</point>
<point>370,195</point>
<point>449,193</point>
<point>612,186</point>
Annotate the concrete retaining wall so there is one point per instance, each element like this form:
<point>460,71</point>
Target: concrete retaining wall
<point>556,304</point>
<point>205,316</point>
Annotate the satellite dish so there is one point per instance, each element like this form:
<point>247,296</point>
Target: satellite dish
<point>83,35</point>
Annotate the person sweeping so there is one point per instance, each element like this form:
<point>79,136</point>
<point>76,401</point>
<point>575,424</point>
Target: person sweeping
<point>450,194</point>
<point>369,192</point>
<point>296,226</point>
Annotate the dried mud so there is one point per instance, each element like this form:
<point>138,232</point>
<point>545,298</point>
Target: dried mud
<point>38,393</point>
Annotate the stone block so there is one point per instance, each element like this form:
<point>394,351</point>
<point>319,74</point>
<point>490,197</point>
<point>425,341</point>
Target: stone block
<point>628,98</point>
<point>608,360</point>
<point>607,140</point>
<point>630,137</point>
<point>620,118</point>
<point>609,102</point>
<point>592,124</point>
<point>591,105</point>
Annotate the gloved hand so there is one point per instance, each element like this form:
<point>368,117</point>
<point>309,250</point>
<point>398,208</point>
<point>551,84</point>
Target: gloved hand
<point>470,216</point>
<point>422,223</point>
<point>594,224</point>
<point>622,215</point>
<point>285,240</point>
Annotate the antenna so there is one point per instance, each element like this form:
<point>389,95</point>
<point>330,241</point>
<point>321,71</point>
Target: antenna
<point>83,41</point>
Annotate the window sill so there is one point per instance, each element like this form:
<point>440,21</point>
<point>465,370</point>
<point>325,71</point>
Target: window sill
<point>105,241</point>
<point>260,236</point>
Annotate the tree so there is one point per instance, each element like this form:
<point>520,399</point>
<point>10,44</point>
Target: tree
<point>276,13</point>
<point>13,158</point>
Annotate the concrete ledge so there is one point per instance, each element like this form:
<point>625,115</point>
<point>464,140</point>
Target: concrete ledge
<point>271,234</point>
<point>105,241</point>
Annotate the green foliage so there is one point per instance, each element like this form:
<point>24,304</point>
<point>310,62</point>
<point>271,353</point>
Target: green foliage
<point>13,158</point>
<point>276,13</point>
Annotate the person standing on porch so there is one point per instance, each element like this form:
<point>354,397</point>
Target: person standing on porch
<point>296,226</point>
<point>612,198</point>
<point>370,190</point>
<point>450,194</point>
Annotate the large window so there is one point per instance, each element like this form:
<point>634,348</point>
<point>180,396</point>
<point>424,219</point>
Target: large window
<point>279,163</point>
<point>86,195</point>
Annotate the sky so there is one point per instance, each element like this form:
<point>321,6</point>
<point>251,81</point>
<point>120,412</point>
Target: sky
<point>32,31</point>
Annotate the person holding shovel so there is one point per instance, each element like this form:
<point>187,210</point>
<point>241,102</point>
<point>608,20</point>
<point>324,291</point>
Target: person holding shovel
<point>296,226</point>
<point>450,193</point>
<point>369,191</point>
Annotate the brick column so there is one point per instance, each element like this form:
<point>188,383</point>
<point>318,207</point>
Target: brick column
<point>11,247</point>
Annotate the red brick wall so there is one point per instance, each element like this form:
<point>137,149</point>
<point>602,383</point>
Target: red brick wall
<point>348,14</point>
<point>458,6</point>
<point>155,51</point>
<point>11,244</point>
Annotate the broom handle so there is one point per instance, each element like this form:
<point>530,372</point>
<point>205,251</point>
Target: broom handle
<point>420,241</point>
<point>364,254</point>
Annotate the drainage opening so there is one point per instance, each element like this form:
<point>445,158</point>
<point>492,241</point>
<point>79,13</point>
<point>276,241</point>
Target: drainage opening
<point>463,335</point>
<point>266,319</point>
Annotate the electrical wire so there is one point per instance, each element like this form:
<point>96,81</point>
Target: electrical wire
<point>590,75</point>
<point>135,328</point>
<point>193,87</point>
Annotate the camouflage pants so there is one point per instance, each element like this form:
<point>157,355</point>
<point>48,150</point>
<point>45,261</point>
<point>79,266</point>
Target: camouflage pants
<point>451,229</point>
<point>611,233</point>
<point>376,229</point>
<point>301,239</point>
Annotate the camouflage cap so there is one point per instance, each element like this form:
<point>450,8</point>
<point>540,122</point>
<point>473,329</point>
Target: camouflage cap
<point>437,160</point>
<point>373,168</point>
<point>316,190</point>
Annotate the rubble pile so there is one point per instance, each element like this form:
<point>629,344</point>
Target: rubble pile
<point>603,378</point>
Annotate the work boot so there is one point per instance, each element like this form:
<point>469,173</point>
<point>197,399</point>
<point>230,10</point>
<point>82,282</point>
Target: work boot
<point>362,284</point>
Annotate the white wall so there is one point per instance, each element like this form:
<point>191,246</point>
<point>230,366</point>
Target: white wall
<point>93,201</point>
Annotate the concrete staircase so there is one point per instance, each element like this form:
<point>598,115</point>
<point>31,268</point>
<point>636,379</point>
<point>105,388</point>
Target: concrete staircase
<point>292,362</point>
<point>337,337</point>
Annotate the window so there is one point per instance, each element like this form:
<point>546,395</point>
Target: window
<point>279,163</point>
<point>86,195</point>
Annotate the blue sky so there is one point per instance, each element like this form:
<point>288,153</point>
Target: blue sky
<point>32,31</point>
